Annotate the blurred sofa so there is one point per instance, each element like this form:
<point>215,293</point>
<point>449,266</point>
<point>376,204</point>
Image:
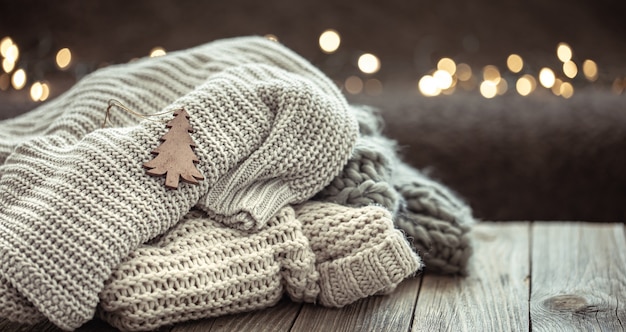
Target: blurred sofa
<point>539,157</point>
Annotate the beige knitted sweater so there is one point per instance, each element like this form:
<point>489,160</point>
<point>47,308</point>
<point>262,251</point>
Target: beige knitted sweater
<point>324,253</point>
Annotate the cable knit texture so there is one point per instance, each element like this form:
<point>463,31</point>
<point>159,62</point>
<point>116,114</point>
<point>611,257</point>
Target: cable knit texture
<point>72,208</point>
<point>435,220</point>
<point>330,254</point>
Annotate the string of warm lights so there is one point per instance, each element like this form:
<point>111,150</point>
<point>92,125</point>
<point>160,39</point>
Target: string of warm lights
<point>445,79</point>
<point>448,74</point>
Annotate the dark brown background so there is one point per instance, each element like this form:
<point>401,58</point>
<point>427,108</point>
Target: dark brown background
<point>512,157</point>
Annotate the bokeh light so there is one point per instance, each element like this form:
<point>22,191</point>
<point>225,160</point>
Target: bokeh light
<point>45,91</point>
<point>354,85</point>
<point>515,63</point>
<point>590,69</point>
<point>567,90</point>
<point>12,53</point>
<point>447,65</point>
<point>8,65</point>
<point>369,63</point>
<point>463,72</point>
<point>157,51</point>
<point>488,89</point>
<point>329,41</point>
<point>5,43</point>
<point>556,88</point>
<point>501,87</point>
<point>570,69</point>
<point>271,37</point>
<point>546,77</point>
<point>564,52</point>
<point>427,85</point>
<point>18,80</point>
<point>491,73</point>
<point>64,58</point>
<point>36,91</point>
<point>525,85</point>
<point>443,79</point>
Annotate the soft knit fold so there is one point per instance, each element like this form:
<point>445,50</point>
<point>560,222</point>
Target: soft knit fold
<point>71,208</point>
<point>147,86</point>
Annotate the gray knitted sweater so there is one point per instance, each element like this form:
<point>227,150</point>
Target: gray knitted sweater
<point>74,200</point>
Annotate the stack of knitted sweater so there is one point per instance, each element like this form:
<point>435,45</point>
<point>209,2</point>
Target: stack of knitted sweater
<point>302,195</point>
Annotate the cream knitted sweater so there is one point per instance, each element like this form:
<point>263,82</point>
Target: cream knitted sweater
<point>74,201</point>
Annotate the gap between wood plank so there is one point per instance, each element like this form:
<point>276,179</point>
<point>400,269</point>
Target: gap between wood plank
<point>494,294</point>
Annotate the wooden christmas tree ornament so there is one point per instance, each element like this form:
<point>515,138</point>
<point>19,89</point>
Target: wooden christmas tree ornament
<point>175,156</point>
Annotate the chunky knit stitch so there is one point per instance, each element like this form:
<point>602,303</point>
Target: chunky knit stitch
<point>358,253</point>
<point>330,254</point>
<point>72,209</point>
<point>436,221</point>
<point>202,268</point>
<point>147,86</point>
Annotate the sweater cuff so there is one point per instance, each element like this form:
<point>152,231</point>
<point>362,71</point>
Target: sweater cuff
<point>250,207</point>
<point>369,272</point>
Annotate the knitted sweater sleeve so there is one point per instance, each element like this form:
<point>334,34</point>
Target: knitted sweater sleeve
<point>307,142</point>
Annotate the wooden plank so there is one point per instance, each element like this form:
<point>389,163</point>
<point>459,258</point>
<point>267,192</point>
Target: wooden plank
<point>277,318</point>
<point>390,312</point>
<point>94,325</point>
<point>494,295</point>
<point>579,277</point>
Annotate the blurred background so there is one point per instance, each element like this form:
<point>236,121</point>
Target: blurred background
<point>518,106</point>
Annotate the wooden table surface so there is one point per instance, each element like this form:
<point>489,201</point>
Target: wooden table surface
<point>539,276</point>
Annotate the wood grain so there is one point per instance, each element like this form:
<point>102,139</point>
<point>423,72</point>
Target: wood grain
<point>275,319</point>
<point>494,295</point>
<point>579,277</point>
<point>390,312</point>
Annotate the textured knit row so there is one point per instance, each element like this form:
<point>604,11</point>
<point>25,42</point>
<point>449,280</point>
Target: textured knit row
<point>81,223</point>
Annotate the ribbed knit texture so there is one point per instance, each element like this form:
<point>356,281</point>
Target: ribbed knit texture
<point>72,208</point>
<point>330,254</point>
<point>147,86</point>
<point>434,219</point>
<point>358,253</point>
